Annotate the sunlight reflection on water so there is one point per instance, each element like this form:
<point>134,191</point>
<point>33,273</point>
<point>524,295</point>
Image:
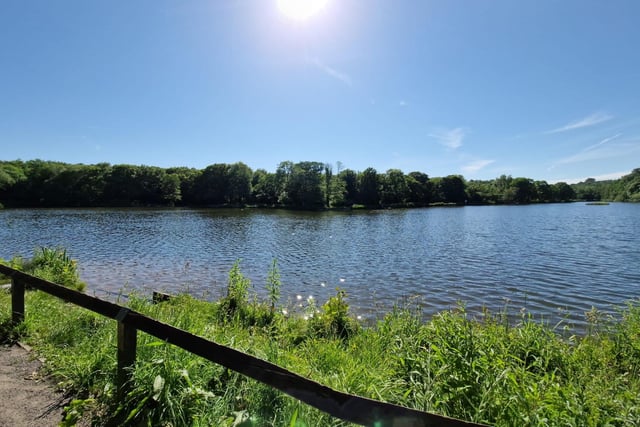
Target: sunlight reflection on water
<point>555,260</point>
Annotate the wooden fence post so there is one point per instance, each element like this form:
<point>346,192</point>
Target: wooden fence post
<point>159,297</point>
<point>17,301</point>
<point>127,341</point>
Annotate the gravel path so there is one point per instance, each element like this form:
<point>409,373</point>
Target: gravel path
<point>28,398</point>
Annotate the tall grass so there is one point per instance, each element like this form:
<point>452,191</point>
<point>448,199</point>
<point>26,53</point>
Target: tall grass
<point>53,264</point>
<point>483,369</point>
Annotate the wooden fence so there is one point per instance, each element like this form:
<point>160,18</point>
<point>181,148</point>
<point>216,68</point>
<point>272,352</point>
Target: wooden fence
<point>347,407</point>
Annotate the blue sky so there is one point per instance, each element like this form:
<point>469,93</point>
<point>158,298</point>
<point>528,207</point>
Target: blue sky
<point>544,89</point>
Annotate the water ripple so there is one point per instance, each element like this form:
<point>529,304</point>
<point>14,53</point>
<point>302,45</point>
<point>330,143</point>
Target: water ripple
<point>556,261</point>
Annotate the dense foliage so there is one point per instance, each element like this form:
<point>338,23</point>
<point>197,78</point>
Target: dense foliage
<point>302,185</point>
<point>490,369</point>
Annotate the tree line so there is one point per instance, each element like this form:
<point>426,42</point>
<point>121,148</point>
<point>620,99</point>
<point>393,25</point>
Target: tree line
<point>301,185</point>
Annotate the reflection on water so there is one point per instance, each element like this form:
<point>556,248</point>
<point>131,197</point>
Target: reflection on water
<point>555,260</point>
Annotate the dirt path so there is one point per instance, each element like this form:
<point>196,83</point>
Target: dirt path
<point>27,397</point>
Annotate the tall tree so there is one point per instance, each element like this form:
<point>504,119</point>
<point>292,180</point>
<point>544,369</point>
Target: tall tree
<point>562,192</point>
<point>239,183</point>
<point>328,179</point>
<point>369,187</point>
<point>544,191</point>
<point>283,176</point>
<point>305,186</point>
<point>451,189</point>
<point>524,190</point>
<point>350,179</point>
<point>210,187</point>
<point>394,188</point>
<point>420,188</point>
<point>187,178</point>
<point>264,190</point>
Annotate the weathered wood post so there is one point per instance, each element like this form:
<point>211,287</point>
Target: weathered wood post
<point>159,297</point>
<point>17,301</point>
<point>127,341</point>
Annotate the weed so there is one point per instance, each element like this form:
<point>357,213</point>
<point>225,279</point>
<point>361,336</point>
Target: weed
<point>52,264</point>
<point>273,284</point>
<point>334,320</point>
<point>237,298</point>
<point>483,370</point>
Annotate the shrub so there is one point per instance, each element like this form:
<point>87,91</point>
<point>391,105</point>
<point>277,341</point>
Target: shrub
<point>234,304</point>
<point>52,264</point>
<point>56,266</point>
<point>333,320</point>
<point>273,284</point>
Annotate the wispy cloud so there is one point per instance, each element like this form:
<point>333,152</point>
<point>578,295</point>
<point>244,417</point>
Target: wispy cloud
<point>451,138</point>
<point>330,71</point>
<point>604,141</point>
<point>476,165</point>
<point>590,120</point>
<point>403,103</point>
<point>601,151</point>
<point>603,177</point>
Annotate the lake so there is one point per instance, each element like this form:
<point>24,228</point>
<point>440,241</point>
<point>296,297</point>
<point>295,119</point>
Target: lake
<point>556,260</point>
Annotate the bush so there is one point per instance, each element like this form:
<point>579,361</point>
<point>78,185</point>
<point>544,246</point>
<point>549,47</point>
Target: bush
<point>333,319</point>
<point>484,369</point>
<point>50,264</point>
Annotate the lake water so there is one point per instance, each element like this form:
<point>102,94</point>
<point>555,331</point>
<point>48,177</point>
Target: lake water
<point>556,260</point>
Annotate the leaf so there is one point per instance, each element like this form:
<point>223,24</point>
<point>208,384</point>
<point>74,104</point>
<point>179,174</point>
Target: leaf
<point>294,418</point>
<point>241,417</point>
<point>158,385</point>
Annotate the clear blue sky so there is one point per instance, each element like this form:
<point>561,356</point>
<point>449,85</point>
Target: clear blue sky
<point>544,89</point>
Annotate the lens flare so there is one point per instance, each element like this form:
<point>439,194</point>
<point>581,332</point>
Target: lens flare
<point>301,10</point>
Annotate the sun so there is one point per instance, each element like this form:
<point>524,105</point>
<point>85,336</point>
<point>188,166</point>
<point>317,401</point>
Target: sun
<point>300,10</point>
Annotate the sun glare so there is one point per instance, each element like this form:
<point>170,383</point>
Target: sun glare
<point>301,10</point>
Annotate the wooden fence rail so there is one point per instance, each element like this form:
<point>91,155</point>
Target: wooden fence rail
<point>347,407</point>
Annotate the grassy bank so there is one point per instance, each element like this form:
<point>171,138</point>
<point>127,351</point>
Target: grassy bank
<point>480,369</point>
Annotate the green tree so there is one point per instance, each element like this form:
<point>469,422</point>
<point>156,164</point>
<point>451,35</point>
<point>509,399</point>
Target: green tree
<point>420,188</point>
<point>239,183</point>
<point>504,188</point>
<point>120,185</point>
<point>187,178</point>
<point>305,184</point>
<point>632,186</point>
<point>369,187</point>
<point>170,192</point>
<point>562,192</point>
<point>394,188</point>
<point>544,191</point>
<point>328,184</point>
<point>350,179</point>
<point>283,176</point>
<point>338,192</point>
<point>264,190</point>
<point>625,189</point>
<point>451,189</point>
<point>10,174</point>
<point>211,186</point>
<point>35,189</point>
<point>483,192</point>
<point>524,190</point>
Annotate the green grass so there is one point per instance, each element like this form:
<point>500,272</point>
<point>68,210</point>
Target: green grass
<point>481,369</point>
<point>53,264</point>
